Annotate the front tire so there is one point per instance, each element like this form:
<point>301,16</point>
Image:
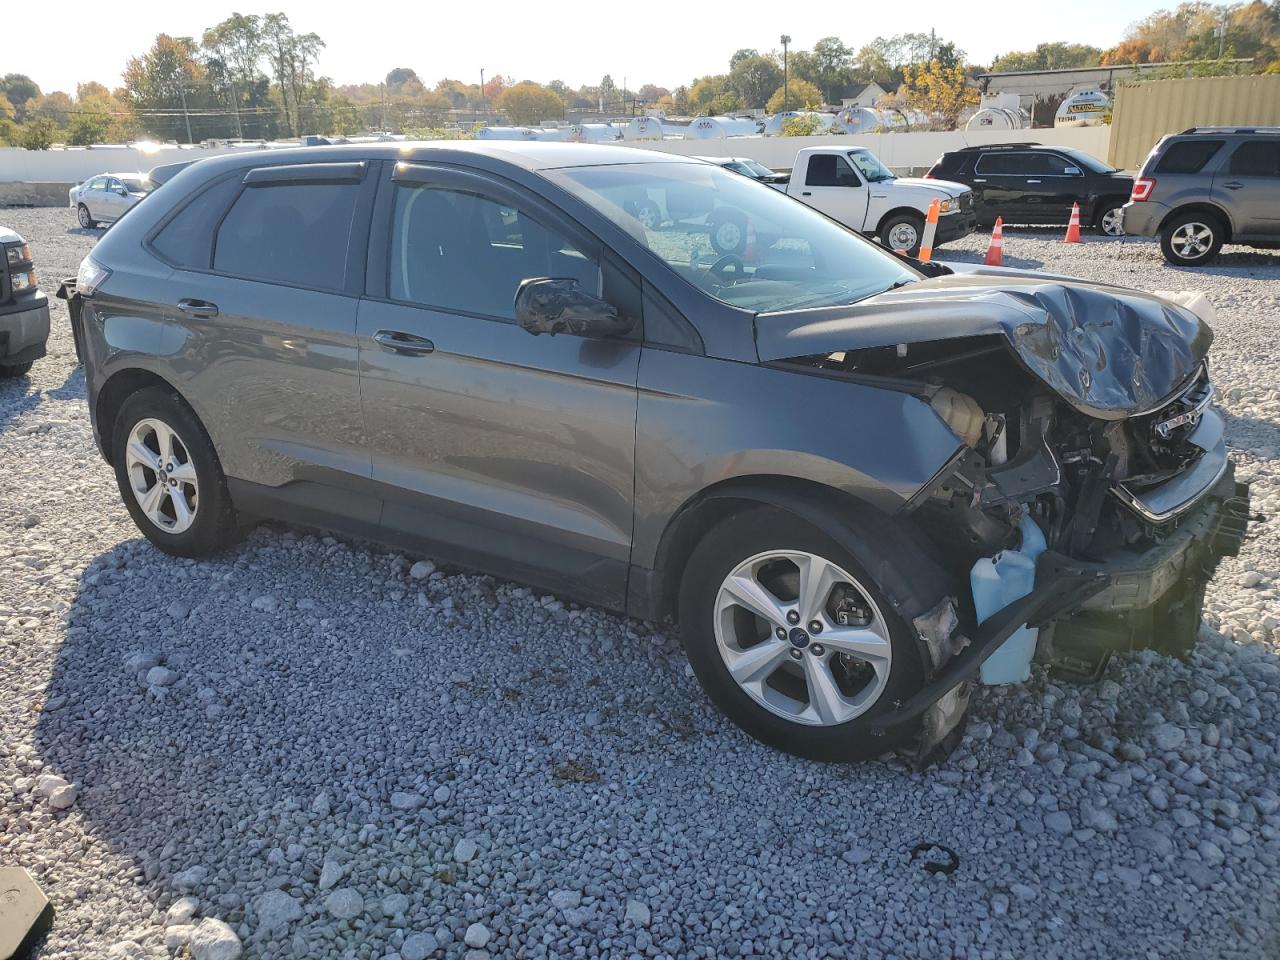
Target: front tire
<point>169,475</point>
<point>793,640</point>
<point>83,215</point>
<point>1191,239</point>
<point>903,231</point>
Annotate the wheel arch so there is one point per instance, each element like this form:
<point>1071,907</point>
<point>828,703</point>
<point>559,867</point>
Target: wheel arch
<point>866,530</point>
<point>898,211</point>
<point>118,388</point>
<point>1102,202</point>
<point>1204,209</point>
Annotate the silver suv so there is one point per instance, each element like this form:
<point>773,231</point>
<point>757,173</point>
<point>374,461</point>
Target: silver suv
<point>856,487</point>
<point>1205,187</point>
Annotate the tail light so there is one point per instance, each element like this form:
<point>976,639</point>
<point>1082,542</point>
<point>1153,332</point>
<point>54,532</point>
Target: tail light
<point>930,175</point>
<point>1142,188</point>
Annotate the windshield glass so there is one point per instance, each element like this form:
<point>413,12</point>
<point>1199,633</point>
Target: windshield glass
<point>750,168</point>
<point>869,166</point>
<point>1088,162</point>
<point>737,240</point>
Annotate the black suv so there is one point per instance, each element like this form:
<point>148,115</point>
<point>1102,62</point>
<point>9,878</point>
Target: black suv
<point>1208,186</point>
<point>24,309</point>
<point>1034,184</point>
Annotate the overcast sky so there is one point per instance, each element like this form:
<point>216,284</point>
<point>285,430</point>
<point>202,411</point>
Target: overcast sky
<point>660,41</point>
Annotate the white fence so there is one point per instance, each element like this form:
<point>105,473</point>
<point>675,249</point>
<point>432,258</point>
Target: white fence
<point>897,150</point>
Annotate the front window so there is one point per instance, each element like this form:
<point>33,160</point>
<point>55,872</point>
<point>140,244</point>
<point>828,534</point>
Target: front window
<point>741,242</point>
<point>869,166</point>
<point>1089,162</point>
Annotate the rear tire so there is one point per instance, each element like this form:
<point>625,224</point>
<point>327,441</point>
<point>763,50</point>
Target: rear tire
<point>82,214</point>
<point>1110,219</point>
<point>815,695</point>
<point>903,231</point>
<point>1191,239</point>
<point>15,369</point>
<point>170,477</point>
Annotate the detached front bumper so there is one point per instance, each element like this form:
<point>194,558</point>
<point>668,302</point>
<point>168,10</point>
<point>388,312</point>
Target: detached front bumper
<point>24,328</point>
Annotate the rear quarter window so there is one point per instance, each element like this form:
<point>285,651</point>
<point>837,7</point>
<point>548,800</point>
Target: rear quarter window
<point>187,239</point>
<point>294,233</point>
<point>1187,156</point>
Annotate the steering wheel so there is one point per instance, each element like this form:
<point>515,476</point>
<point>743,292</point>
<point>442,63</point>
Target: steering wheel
<point>720,269</point>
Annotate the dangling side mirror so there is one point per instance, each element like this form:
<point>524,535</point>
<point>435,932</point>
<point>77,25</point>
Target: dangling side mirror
<point>559,305</point>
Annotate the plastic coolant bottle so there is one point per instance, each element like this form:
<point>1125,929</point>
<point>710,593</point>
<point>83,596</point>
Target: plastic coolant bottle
<point>997,582</point>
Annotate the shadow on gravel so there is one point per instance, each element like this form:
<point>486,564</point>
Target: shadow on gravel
<point>305,684</point>
<point>977,256</point>
<point>73,388</point>
<point>17,396</point>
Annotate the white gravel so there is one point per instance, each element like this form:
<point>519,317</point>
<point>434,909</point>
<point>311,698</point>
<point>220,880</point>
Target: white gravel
<point>336,751</point>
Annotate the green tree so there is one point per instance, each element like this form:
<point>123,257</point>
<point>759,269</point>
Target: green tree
<point>712,96</point>
<point>833,66</point>
<point>799,95</point>
<point>805,125</point>
<point>753,78</point>
<point>528,104</point>
<point>18,88</point>
<point>1049,56</point>
<point>38,133</point>
<point>235,48</point>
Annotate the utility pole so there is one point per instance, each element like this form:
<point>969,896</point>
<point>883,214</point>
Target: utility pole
<point>182,91</point>
<point>382,87</point>
<point>786,93</point>
<point>484,106</point>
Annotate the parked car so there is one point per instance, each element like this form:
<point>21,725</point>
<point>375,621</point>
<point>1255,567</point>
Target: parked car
<point>751,168</point>
<point>24,309</point>
<point>1034,184</point>
<point>852,186</point>
<point>106,197</point>
<point>478,351</point>
<point>1208,186</point>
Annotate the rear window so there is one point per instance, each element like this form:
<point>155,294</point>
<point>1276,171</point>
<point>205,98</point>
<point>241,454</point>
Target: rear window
<point>1187,156</point>
<point>293,233</point>
<point>1257,158</point>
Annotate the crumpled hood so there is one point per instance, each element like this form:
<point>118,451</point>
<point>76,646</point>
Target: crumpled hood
<point>1108,351</point>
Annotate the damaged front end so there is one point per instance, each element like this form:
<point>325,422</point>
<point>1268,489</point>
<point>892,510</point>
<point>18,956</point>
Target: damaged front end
<point>1091,497</point>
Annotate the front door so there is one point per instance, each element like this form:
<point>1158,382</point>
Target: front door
<point>507,451</point>
<point>1000,180</point>
<point>1249,187</point>
<point>831,186</point>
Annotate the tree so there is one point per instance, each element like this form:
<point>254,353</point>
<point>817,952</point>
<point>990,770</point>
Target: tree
<point>528,104</point>
<point>236,47</point>
<point>1049,56</point>
<point>38,133</point>
<point>165,81</point>
<point>942,93</point>
<point>6,108</point>
<point>805,125</point>
<point>753,78</point>
<point>56,106</point>
<point>18,88</point>
<point>397,78</point>
<point>610,99</point>
<point>833,66</point>
<point>712,96</point>
<point>649,93</point>
<point>800,95</point>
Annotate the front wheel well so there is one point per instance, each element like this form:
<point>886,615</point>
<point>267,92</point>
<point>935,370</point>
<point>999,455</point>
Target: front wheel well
<point>120,387</point>
<point>897,212</point>
<point>1202,209</point>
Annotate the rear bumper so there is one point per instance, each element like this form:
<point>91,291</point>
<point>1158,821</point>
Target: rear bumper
<point>24,329</point>
<point>1143,219</point>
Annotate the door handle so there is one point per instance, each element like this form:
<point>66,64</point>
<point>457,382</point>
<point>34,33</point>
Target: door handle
<point>979,180</point>
<point>1233,185</point>
<point>198,308</point>
<point>806,193</point>
<point>404,343</point>
<point>1033,181</point>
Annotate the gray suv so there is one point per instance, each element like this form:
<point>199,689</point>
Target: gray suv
<point>1205,187</point>
<point>857,487</point>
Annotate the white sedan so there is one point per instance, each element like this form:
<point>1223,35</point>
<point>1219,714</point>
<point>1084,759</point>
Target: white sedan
<point>107,196</point>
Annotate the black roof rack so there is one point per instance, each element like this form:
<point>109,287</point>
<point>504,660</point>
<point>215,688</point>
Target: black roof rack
<point>1191,130</point>
<point>999,146</point>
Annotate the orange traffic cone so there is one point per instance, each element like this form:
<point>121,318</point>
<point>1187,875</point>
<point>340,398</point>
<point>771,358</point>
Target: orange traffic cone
<point>930,231</point>
<point>995,252</point>
<point>1073,228</point>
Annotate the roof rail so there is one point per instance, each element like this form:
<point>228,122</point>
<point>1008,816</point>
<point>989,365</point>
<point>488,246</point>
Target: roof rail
<point>999,146</point>
<point>1191,130</point>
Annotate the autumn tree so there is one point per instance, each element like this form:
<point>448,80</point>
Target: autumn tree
<point>799,95</point>
<point>941,93</point>
<point>18,88</point>
<point>1049,56</point>
<point>528,104</point>
<point>712,96</point>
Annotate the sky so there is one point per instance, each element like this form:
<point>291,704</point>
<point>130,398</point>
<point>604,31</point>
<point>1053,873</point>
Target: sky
<point>577,41</point>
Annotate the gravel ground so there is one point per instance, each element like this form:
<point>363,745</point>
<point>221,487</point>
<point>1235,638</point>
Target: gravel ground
<point>312,748</point>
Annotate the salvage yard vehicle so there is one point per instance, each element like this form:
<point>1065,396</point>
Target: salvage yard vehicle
<point>1034,184</point>
<point>24,309</point>
<point>819,462</point>
<point>1205,187</point>
<point>751,168</point>
<point>106,197</point>
<point>855,188</point>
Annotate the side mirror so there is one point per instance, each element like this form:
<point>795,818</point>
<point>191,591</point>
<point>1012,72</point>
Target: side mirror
<point>560,305</point>
<point>122,191</point>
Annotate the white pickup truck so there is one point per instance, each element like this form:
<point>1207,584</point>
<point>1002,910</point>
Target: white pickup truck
<point>851,185</point>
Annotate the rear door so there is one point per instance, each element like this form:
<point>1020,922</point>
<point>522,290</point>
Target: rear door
<point>506,451</point>
<point>1248,185</point>
<point>831,185</point>
<point>263,324</point>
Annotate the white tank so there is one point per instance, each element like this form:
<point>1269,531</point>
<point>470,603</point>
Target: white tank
<point>717,128</point>
<point>594,133</point>
<point>857,120</point>
<point>505,133</point>
<point>644,128</point>
<point>995,118</point>
<point>773,125</point>
<point>1084,107</point>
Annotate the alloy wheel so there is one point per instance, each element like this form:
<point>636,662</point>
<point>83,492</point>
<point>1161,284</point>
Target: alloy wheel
<point>728,236</point>
<point>1113,222</point>
<point>1191,240</point>
<point>82,213</point>
<point>162,475</point>
<point>802,637</point>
